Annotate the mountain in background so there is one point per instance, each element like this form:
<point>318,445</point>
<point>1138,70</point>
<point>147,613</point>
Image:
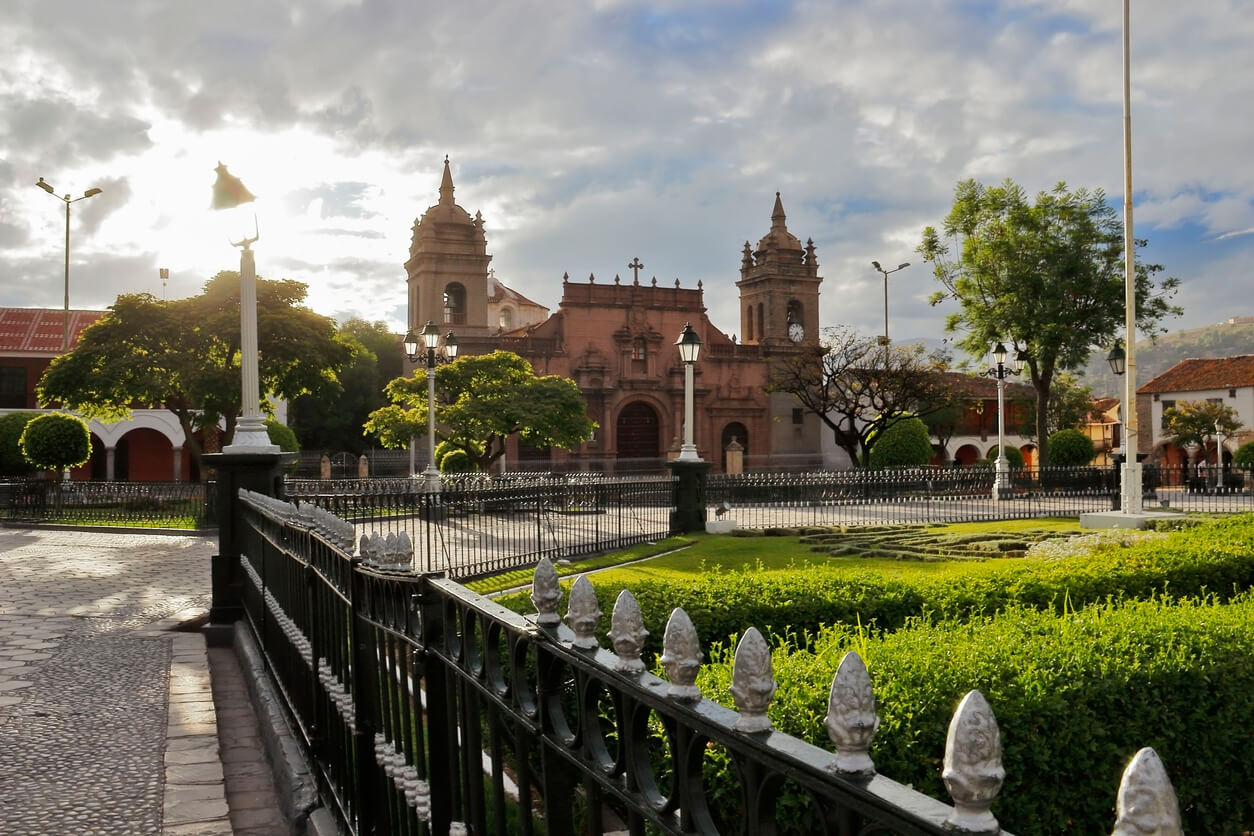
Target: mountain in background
<point>1227,339</point>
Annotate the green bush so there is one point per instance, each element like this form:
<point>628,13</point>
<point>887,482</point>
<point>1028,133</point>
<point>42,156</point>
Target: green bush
<point>906,443</point>
<point>1217,556</point>
<point>1075,697</point>
<point>457,461</point>
<point>12,462</point>
<point>282,435</point>
<point>56,441</point>
<point>1013,455</point>
<point>1071,448</point>
<point>1244,457</point>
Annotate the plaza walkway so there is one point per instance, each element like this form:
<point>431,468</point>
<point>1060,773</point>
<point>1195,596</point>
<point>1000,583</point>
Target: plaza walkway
<point>107,719</point>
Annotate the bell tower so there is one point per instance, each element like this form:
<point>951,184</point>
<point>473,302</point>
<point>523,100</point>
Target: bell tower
<point>447,270</point>
<point>779,288</point>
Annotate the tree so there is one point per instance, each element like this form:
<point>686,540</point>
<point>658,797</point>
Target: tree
<point>859,388</point>
<point>905,443</point>
<point>12,462</point>
<point>1071,448</point>
<point>1070,405</point>
<point>183,355</point>
<point>1195,421</point>
<point>482,400</point>
<point>1045,277</point>
<point>1244,457</point>
<point>56,441</point>
<point>282,436</point>
<point>1013,455</point>
<point>334,424</point>
<point>942,424</point>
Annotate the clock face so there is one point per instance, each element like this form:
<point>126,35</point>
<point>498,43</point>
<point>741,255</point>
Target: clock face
<point>795,332</point>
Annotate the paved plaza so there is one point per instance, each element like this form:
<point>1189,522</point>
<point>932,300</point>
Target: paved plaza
<point>107,718</point>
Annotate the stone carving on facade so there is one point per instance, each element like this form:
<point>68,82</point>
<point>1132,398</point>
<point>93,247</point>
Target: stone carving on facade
<point>627,633</point>
<point>546,593</point>
<point>1146,804</point>
<point>681,656</point>
<point>851,718</point>
<point>583,614</point>
<point>973,773</point>
<point>753,682</point>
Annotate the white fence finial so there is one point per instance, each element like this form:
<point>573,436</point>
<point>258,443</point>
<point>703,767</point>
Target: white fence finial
<point>973,771</point>
<point>1146,803</point>
<point>851,718</point>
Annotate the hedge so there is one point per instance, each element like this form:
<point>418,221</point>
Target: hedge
<point>1215,557</point>
<point>1075,697</point>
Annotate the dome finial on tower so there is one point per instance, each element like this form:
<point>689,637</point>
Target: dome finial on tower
<point>446,185</point>
<point>777,217</point>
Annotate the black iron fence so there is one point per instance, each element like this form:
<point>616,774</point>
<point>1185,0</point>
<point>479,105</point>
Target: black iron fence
<point>136,504</point>
<point>961,494</point>
<point>426,708</point>
<point>475,526</point>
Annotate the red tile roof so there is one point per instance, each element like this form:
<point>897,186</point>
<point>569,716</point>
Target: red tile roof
<point>1200,373</point>
<point>978,386</point>
<point>40,330</point>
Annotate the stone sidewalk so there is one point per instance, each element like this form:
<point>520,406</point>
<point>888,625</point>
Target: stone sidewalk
<point>107,717</point>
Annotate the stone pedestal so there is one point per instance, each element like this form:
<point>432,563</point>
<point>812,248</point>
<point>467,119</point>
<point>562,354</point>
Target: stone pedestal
<point>259,472</point>
<point>689,498</point>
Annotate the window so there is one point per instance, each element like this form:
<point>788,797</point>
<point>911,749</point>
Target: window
<point>639,356</point>
<point>798,417</point>
<point>507,319</point>
<point>455,304</point>
<point>749,324</point>
<point>13,387</point>
<point>1166,406</point>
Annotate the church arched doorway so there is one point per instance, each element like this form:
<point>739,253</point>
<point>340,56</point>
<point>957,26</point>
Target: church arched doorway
<point>735,431</point>
<point>637,431</point>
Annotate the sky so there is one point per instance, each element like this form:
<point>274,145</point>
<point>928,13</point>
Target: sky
<point>592,132</point>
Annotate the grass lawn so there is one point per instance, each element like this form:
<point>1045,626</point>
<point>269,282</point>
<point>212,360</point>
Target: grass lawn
<point>696,554</point>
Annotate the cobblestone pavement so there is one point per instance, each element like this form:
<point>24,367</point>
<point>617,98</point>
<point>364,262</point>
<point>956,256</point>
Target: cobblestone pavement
<point>107,721</point>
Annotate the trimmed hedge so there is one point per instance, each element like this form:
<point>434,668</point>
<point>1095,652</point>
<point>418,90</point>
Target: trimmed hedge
<point>56,441</point>
<point>1215,557</point>
<point>1075,697</point>
<point>12,462</point>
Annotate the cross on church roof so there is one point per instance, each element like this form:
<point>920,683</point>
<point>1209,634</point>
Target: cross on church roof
<point>636,267</point>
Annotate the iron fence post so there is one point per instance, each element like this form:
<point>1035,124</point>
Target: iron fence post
<point>689,495</point>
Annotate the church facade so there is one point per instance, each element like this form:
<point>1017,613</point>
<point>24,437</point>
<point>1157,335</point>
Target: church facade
<point>616,340</point>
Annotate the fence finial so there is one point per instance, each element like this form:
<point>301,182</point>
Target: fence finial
<point>681,656</point>
<point>973,771</point>
<point>851,718</point>
<point>583,614</point>
<point>1147,803</point>
<point>546,592</point>
<point>753,682</point>
<point>627,633</point>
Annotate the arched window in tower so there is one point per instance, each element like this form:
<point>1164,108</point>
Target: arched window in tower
<point>507,319</point>
<point>761,322</point>
<point>454,304</point>
<point>749,324</point>
<point>796,312</point>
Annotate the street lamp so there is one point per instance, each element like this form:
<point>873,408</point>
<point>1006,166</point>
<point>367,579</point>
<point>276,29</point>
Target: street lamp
<point>250,430</point>
<point>431,339</point>
<point>1002,489</point>
<point>689,347</point>
<point>47,187</point>
<point>884,339</point>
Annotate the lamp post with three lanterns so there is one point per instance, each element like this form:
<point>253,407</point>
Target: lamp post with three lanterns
<point>431,341</point>
<point>1002,487</point>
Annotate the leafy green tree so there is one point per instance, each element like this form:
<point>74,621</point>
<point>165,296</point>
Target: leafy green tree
<point>12,462</point>
<point>942,424</point>
<point>481,400</point>
<point>904,443</point>
<point>56,441</point>
<point>1197,421</point>
<point>334,423</point>
<point>1013,455</point>
<point>1045,277</point>
<point>859,387</point>
<point>1244,457</point>
<point>183,355</point>
<point>1071,448</point>
<point>1070,405</point>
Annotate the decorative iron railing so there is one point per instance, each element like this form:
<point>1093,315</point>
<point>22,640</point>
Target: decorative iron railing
<point>959,494</point>
<point>426,708</point>
<point>136,504</point>
<point>476,525</point>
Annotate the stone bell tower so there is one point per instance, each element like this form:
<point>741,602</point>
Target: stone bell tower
<point>447,268</point>
<point>779,289</point>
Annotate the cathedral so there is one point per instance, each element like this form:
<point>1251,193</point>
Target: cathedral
<point>616,340</point>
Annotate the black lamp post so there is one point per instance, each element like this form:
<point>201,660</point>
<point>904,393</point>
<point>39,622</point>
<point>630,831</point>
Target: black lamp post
<point>884,339</point>
<point>1002,488</point>
<point>431,340</point>
<point>47,187</point>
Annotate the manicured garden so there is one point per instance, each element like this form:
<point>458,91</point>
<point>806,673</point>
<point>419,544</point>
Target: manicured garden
<point>1088,647</point>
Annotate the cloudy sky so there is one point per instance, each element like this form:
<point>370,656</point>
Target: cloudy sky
<point>590,132</point>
